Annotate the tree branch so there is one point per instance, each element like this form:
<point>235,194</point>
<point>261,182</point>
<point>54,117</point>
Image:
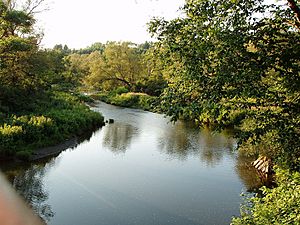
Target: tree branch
<point>118,79</point>
<point>32,6</point>
<point>295,8</point>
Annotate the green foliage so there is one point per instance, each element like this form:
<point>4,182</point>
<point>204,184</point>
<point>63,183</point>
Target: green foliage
<point>9,131</point>
<point>83,97</point>
<point>93,48</point>
<point>121,97</point>
<point>117,64</point>
<point>153,86</point>
<point>226,57</point>
<point>59,117</point>
<point>154,82</point>
<point>18,45</point>
<point>32,113</point>
<point>119,91</point>
<point>279,205</point>
<point>126,100</point>
<point>24,154</point>
<point>236,63</point>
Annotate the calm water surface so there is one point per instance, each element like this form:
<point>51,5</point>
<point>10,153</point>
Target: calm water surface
<point>139,170</point>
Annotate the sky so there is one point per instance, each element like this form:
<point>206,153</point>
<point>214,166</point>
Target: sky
<point>79,23</point>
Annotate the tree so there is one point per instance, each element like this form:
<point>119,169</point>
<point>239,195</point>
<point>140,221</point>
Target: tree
<point>154,82</point>
<point>25,70</point>
<point>17,45</point>
<point>77,68</point>
<point>235,62</point>
<point>94,47</point>
<point>119,65</point>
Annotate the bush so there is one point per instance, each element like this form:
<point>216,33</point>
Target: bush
<point>83,97</point>
<point>280,205</point>
<point>61,117</point>
<point>119,91</point>
<point>10,131</point>
<point>126,100</point>
<point>129,99</point>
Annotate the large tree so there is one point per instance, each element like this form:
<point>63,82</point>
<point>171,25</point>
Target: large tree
<point>18,48</point>
<point>120,64</point>
<point>236,62</point>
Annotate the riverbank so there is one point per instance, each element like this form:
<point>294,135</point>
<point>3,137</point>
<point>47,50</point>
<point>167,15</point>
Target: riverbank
<point>129,100</point>
<point>142,152</point>
<point>277,204</point>
<point>52,119</point>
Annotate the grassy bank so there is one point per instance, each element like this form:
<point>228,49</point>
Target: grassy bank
<point>121,97</point>
<point>48,120</point>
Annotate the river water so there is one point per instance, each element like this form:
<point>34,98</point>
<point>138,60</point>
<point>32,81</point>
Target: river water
<point>139,170</point>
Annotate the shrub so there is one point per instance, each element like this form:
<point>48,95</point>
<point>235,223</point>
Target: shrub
<point>280,205</point>
<point>8,130</point>
<point>83,97</point>
<point>129,99</point>
<point>119,91</point>
<point>24,155</point>
<point>126,100</point>
<point>61,117</point>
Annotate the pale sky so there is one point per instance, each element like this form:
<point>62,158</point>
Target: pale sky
<point>80,23</point>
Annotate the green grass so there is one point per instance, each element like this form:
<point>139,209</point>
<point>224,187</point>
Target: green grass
<point>129,99</point>
<point>53,119</point>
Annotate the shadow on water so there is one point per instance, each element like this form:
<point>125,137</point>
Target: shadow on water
<point>142,196</point>
<point>118,137</point>
<point>249,175</point>
<point>186,140</point>
<point>27,179</point>
<point>29,184</point>
<point>183,140</point>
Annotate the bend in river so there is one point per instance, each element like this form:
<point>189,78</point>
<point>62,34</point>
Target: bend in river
<point>139,170</point>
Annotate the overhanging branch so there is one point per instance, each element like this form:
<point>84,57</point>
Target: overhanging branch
<point>295,8</point>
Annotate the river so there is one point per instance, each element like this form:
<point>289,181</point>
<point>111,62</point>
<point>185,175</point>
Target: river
<point>141,170</point>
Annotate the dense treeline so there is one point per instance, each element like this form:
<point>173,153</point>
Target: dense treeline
<point>105,67</point>
<point>34,110</point>
<point>120,73</point>
<point>235,66</point>
<point>237,63</point>
<point>224,63</point>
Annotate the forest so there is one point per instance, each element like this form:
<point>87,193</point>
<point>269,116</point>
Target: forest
<point>223,64</point>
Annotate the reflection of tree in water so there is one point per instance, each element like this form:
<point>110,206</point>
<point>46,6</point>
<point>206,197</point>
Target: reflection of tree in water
<point>28,182</point>
<point>214,146</point>
<point>176,141</point>
<point>184,139</point>
<point>27,179</point>
<point>118,136</point>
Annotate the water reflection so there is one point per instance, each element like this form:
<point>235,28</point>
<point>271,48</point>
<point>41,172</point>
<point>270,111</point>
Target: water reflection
<point>215,146</point>
<point>247,173</point>
<point>28,182</point>
<point>118,136</point>
<point>185,139</point>
<point>28,178</point>
<point>92,186</point>
<point>177,142</point>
